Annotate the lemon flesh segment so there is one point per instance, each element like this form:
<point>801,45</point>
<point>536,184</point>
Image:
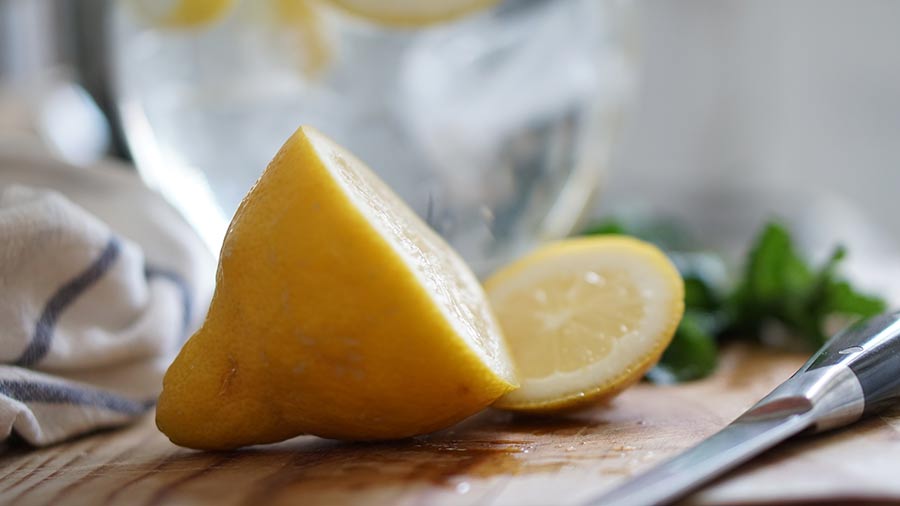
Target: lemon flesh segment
<point>337,312</point>
<point>436,267</point>
<point>412,13</point>
<point>585,318</point>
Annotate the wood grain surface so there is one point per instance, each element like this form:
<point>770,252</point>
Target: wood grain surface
<point>494,458</point>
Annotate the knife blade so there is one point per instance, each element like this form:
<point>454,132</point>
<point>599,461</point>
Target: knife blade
<point>856,373</point>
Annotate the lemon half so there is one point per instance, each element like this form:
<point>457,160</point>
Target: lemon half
<point>337,312</point>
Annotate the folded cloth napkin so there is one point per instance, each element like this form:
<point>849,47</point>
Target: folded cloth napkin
<point>100,282</point>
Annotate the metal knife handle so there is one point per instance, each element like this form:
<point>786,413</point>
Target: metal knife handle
<point>871,350</point>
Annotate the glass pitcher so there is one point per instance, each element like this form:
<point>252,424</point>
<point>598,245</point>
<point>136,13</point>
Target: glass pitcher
<point>495,128</point>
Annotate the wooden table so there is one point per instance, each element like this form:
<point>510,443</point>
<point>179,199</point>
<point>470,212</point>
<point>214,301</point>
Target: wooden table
<point>494,458</point>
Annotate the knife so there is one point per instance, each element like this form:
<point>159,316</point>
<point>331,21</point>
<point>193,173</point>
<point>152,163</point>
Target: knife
<point>855,374</point>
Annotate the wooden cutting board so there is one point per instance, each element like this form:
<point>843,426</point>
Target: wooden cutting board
<point>494,458</point>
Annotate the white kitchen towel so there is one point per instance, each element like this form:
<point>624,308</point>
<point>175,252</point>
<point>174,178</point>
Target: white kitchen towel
<point>100,282</point>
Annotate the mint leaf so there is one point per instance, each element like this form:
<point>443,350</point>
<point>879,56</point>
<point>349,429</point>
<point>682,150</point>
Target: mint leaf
<point>691,355</point>
<point>609,227</point>
<point>698,294</point>
<point>842,299</point>
<point>773,284</point>
<point>836,296</point>
<point>779,285</point>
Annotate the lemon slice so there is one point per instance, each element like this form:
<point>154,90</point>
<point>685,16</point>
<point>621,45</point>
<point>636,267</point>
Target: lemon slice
<point>305,19</point>
<point>337,312</point>
<point>412,12</point>
<point>182,13</point>
<point>584,319</point>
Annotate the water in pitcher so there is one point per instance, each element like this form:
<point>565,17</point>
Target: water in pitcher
<point>494,128</point>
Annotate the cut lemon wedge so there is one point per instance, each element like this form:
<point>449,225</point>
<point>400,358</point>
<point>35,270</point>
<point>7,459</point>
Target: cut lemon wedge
<point>584,319</point>
<point>412,12</point>
<point>337,312</point>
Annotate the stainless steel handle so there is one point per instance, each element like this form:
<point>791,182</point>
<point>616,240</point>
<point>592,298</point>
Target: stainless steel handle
<point>871,350</point>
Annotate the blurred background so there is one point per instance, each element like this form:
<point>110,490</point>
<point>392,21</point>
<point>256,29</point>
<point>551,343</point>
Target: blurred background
<point>501,128</point>
<point>800,94</point>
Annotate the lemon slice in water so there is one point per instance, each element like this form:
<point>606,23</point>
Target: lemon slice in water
<point>412,12</point>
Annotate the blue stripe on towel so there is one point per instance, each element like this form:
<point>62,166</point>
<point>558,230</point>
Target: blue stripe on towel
<point>182,285</point>
<point>43,331</point>
<point>54,393</point>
